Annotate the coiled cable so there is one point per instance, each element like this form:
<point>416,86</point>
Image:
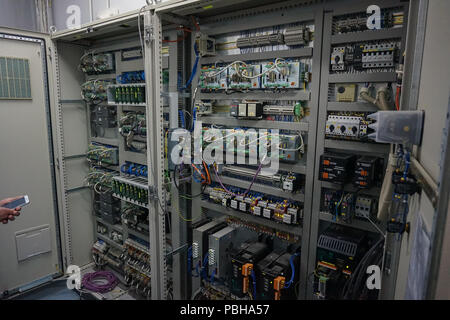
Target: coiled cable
<point>99,281</point>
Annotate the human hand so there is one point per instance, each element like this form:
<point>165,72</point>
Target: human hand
<point>7,214</point>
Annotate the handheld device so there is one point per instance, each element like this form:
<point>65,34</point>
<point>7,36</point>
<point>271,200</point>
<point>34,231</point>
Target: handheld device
<point>23,201</point>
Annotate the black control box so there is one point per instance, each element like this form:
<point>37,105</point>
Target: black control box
<point>250,253</point>
<point>108,207</point>
<point>336,168</point>
<point>367,171</point>
<point>273,266</point>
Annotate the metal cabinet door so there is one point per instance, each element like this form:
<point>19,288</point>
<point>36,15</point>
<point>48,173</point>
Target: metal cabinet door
<point>30,244</point>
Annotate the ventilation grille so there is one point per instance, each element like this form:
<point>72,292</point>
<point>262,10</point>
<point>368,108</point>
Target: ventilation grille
<point>340,246</point>
<point>211,257</point>
<point>14,78</point>
<point>195,250</point>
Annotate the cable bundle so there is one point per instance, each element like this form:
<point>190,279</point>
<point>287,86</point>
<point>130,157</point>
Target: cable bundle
<point>99,281</point>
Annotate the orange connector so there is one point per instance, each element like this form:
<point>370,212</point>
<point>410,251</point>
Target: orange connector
<point>247,269</point>
<point>278,283</point>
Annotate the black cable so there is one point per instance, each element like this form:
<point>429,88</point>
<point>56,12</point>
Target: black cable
<point>351,283</point>
<point>355,285</point>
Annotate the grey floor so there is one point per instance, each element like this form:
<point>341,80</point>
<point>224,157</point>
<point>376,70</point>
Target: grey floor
<point>56,290</point>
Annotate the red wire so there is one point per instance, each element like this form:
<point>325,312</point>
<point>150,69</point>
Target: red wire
<point>185,30</point>
<point>200,173</point>
<point>207,172</point>
<point>397,98</point>
<point>195,23</point>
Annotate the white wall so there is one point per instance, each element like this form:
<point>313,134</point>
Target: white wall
<point>19,14</point>
<point>60,15</point>
<point>433,98</point>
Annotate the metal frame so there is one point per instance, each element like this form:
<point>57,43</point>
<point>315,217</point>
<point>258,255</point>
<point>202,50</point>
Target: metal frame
<point>155,154</point>
<point>414,53</point>
<point>62,163</point>
<point>178,225</point>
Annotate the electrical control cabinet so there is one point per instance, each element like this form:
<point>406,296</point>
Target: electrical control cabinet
<point>105,136</point>
<point>360,79</point>
<point>301,78</point>
<point>261,79</point>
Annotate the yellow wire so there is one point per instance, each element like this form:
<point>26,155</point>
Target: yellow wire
<point>181,216</point>
<point>187,220</point>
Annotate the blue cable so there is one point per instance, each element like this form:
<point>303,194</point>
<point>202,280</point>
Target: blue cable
<point>122,168</point>
<point>407,162</point>
<point>130,169</point>
<point>194,118</point>
<point>211,279</point>
<point>203,272</point>
<point>183,124</point>
<point>253,275</point>
<point>196,270</point>
<point>291,262</point>
<point>189,256</point>
<point>194,69</point>
<point>195,178</point>
<point>137,172</point>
